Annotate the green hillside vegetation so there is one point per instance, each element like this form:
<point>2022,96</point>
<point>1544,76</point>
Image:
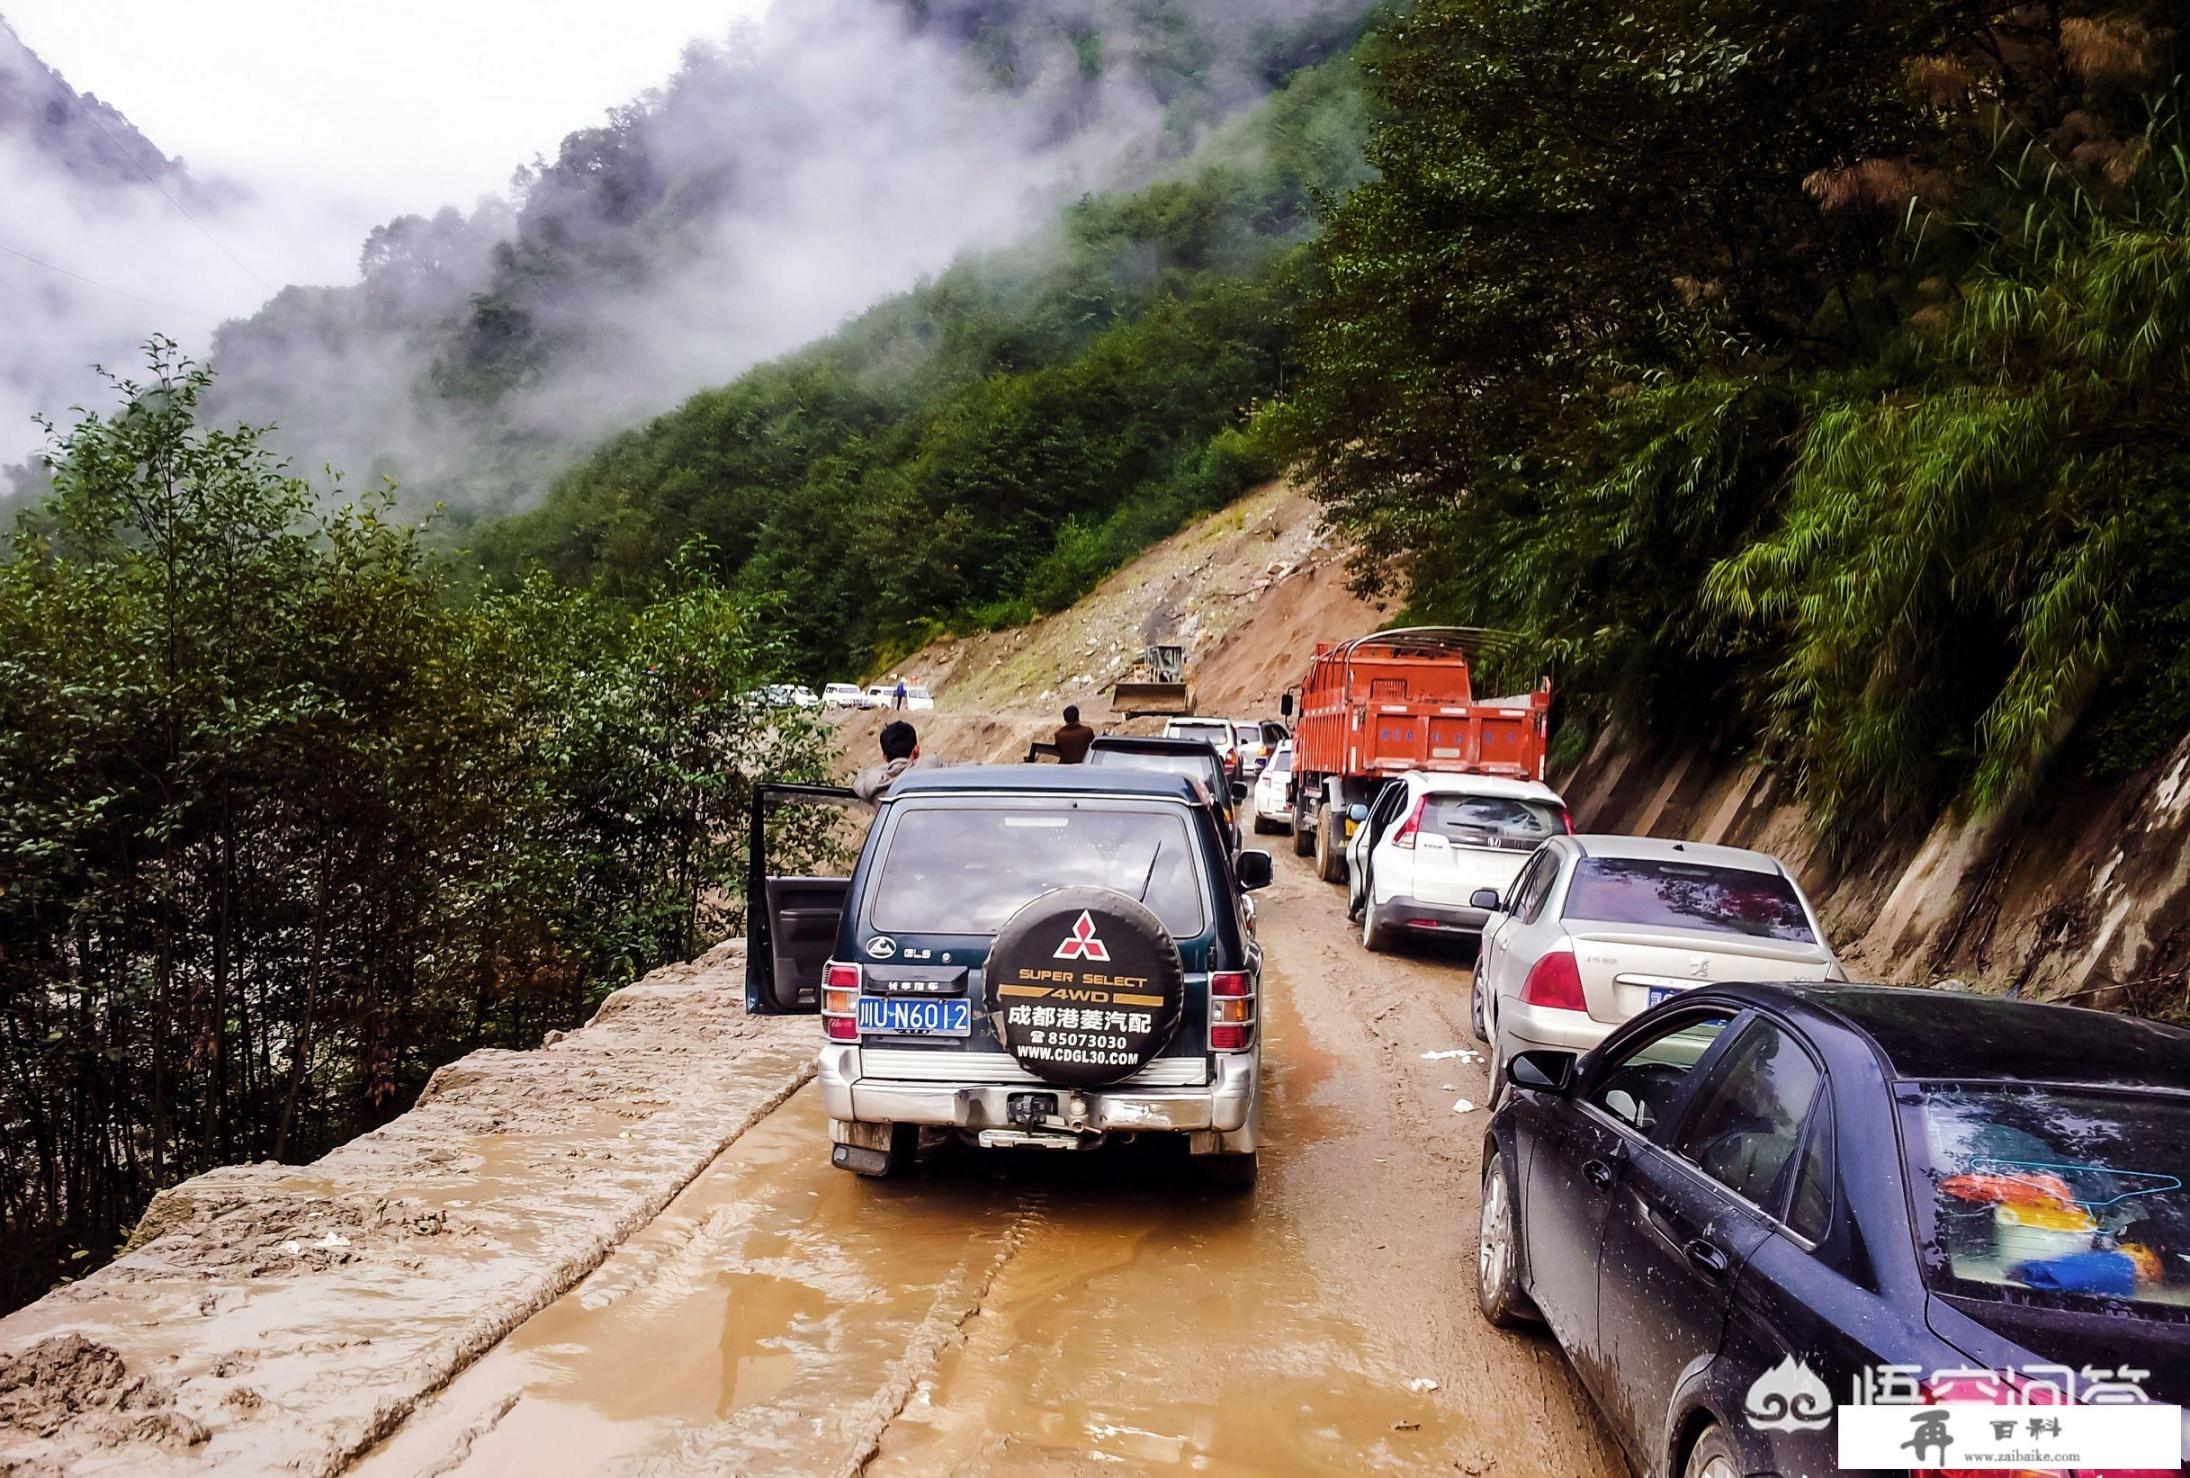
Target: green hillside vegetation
<point>990,444</point>
<point>283,828</point>
<point>1811,373</point>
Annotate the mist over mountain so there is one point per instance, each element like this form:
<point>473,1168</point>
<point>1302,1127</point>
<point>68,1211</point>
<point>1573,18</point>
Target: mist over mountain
<point>85,241</point>
<point>74,132</point>
<point>787,175</point>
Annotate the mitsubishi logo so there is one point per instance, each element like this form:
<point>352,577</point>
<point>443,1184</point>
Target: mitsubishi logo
<point>1082,944</point>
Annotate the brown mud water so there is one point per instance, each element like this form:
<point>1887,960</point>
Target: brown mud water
<point>1066,1313</point>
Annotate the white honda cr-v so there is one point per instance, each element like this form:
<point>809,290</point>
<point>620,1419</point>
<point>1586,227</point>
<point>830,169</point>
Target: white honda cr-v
<point>1430,841</point>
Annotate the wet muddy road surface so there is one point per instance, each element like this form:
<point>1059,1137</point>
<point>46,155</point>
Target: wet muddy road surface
<point>1069,1314</point>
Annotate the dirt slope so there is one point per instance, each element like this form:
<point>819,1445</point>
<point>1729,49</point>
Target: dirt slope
<point>1248,592</point>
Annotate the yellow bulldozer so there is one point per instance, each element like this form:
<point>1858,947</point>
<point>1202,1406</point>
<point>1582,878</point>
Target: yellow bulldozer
<point>1157,686</point>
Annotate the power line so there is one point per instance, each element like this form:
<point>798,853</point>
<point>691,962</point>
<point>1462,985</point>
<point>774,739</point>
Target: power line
<point>133,162</point>
<point>199,313</point>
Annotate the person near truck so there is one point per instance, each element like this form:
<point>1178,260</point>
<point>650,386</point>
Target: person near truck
<point>900,752</point>
<point>1073,739</point>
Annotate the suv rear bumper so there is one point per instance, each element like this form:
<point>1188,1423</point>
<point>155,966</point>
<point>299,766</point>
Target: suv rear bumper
<point>1401,912</point>
<point>1224,1106</point>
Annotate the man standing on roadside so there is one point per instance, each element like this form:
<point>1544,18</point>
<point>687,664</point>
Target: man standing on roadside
<point>901,695</point>
<point>900,752</point>
<point>1073,739</point>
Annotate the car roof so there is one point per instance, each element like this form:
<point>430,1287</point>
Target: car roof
<point>1074,779</point>
<point>1152,744</point>
<point>1959,1035</point>
<point>1532,790</point>
<point>1673,849</point>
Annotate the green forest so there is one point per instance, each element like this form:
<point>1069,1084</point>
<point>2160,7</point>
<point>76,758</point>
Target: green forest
<point>989,445</point>
<point>1807,375</point>
<point>1812,371</point>
<point>283,826</point>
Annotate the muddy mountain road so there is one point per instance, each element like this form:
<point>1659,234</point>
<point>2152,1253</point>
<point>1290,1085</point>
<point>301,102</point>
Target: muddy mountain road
<point>1066,1314</point>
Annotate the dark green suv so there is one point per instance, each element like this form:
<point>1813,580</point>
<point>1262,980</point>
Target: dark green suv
<point>1024,956</point>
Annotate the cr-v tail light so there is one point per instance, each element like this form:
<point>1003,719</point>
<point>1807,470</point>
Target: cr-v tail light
<point>1410,828</point>
<point>1555,981</point>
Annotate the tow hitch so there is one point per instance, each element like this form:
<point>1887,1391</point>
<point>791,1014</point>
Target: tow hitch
<point>1030,1109</point>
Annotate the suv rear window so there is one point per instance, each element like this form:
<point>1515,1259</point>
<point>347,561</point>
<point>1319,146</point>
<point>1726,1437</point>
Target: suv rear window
<point>966,869</point>
<point>2050,1196</point>
<point>1492,821</point>
<point>1687,895</point>
<point>1219,734</point>
<point>1198,767</point>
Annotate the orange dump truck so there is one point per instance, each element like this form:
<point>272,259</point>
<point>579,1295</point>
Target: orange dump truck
<point>1394,701</point>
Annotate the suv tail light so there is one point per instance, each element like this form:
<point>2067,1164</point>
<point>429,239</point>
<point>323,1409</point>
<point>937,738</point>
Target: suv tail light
<point>1555,981</point>
<point>1409,828</point>
<point>1231,1011</point>
<point>1566,818</point>
<point>840,1002</point>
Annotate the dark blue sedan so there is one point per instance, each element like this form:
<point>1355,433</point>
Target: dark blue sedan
<point>1753,1199</point>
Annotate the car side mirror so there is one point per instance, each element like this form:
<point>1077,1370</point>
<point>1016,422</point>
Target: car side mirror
<point>1254,870</point>
<point>1357,813</point>
<point>1487,900</point>
<point>1545,1072</point>
<point>1239,790</point>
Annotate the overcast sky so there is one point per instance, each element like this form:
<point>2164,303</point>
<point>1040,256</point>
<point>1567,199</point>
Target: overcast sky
<point>359,110</point>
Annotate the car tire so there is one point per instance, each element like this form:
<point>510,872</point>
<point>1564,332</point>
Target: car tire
<point>1330,854</point>
<point>1713,1456</point>
<point>1498,1252</point>
<point>1230,1174</point>
<point>1375,938</point>
<point>1477,1020</point>
<point>1263,828</point>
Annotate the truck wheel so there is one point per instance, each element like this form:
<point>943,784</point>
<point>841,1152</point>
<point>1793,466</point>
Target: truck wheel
<point>1304,836</point>
<point>1330,850</point>
<point>1231,1174</point>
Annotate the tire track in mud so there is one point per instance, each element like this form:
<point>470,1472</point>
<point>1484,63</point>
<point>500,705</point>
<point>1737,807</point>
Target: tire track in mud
<point>943,1333</point>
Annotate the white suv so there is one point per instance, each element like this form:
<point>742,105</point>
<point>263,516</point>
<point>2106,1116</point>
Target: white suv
<point>1429,841</point>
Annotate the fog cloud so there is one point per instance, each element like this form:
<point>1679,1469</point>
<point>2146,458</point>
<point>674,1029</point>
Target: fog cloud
<point>790,174</point>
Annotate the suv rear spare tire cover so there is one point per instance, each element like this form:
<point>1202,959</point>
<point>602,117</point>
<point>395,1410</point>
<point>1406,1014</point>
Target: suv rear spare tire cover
<point>1084,986</point>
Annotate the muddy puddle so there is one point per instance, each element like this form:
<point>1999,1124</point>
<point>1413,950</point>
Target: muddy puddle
<point>1031,1313</point>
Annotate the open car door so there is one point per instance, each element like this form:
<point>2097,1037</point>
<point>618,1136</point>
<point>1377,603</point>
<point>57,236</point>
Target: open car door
<point>791,920</point>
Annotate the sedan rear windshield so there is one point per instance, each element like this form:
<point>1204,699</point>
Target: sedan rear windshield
<point>966,869</point>
<point>2051,1196</point>
<point>1505,822</point>
<point>1687,895</point>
